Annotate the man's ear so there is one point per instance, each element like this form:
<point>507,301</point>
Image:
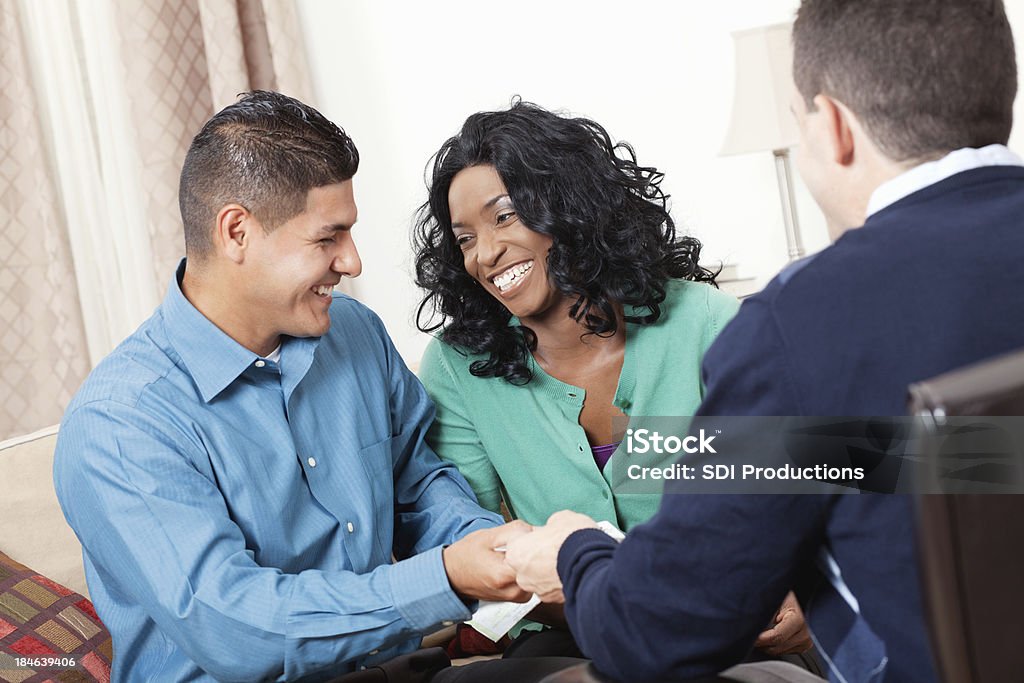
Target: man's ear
<point>838,124</point>
<point>231,233</point>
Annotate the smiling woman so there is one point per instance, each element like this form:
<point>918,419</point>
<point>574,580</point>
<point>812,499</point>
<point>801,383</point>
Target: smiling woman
<point>553,270</point>
<point>508,259</point>
<point>609,236</point>
<point>564,299</point>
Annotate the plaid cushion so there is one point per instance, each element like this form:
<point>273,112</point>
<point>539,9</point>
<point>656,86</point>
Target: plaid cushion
<point>53,631</point>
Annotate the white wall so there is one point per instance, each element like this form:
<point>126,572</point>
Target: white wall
<point>400,77</point>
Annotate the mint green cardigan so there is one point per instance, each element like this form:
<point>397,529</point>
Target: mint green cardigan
<point>524,444</point>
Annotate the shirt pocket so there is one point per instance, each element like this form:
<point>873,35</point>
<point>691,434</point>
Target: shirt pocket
<point>376,461</point>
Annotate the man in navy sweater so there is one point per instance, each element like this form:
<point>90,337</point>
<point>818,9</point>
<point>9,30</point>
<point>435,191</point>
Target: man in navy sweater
<point>904,108</point>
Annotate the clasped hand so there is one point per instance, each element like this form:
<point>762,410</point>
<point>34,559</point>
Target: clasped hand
<point>534,557</point>
<point>478,568</point>
<point>478,571</point>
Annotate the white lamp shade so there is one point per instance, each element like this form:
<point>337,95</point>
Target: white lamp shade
<point>761,117</point>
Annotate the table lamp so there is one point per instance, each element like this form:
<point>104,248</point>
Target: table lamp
<point>761,117</point>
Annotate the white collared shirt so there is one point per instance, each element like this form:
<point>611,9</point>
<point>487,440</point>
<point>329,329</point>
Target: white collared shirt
<point>931,172</point>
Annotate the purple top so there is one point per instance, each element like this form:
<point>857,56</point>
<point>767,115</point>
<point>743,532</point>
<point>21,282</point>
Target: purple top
<point>603,453</point>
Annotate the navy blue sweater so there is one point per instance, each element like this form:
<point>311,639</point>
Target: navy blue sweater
<point>928,284</point>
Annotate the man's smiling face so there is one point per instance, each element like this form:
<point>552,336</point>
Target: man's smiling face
<point>289,273</point>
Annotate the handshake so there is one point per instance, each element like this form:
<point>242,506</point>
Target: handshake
<point>514,561</point>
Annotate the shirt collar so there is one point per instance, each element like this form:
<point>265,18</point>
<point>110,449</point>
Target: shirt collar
<point>931,172</point>
<point>213,358</point>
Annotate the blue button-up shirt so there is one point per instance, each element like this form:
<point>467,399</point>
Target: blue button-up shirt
<point>239,516</point>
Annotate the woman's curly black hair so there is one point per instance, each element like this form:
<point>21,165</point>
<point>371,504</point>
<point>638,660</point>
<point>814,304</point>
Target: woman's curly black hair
<point>614,242</point>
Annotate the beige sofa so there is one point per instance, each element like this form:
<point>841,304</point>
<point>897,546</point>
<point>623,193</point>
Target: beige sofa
<point>32,527</point>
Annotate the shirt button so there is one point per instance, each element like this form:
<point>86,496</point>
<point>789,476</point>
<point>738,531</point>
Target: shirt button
<point>260,363</point>
<point>374,652</point>
<point>580,447</point>
<point>312,462</point>
<point>447,623</point>
<point>351,527</point>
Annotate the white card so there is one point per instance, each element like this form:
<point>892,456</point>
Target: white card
<point>495,619</point>
<point>611,530</point>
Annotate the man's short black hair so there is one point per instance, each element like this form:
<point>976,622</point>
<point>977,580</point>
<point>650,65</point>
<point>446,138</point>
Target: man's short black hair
<point>265,152</point>
<point>924,76</point>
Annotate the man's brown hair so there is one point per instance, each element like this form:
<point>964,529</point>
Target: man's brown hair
<point>924,77</point>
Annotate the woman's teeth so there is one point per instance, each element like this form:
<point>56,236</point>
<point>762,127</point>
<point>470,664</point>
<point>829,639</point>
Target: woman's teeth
<point>513,275</point>
<point>323,290</point>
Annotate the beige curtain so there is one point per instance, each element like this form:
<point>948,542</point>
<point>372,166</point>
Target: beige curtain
<point>92,138</point>
<point>42,339</point>
<point>188,60</point>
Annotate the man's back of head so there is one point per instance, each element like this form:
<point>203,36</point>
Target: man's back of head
<point>264,152</point>
<point>924,77</point>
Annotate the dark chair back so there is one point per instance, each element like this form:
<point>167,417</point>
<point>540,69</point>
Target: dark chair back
<point>972,545</point>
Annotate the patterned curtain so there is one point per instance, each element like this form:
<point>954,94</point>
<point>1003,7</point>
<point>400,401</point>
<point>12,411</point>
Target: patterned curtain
<point>42,337</point>
<point>99,101</point>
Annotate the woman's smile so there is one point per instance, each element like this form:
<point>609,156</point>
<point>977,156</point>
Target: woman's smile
<point>511,279</point>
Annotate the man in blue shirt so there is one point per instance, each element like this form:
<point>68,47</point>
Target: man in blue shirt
<point>242,469</point>
<point>904,109</point>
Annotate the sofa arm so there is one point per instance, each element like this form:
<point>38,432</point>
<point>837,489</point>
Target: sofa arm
<point>32,527</point>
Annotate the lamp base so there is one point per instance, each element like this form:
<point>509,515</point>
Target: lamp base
<point>785,179</point>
